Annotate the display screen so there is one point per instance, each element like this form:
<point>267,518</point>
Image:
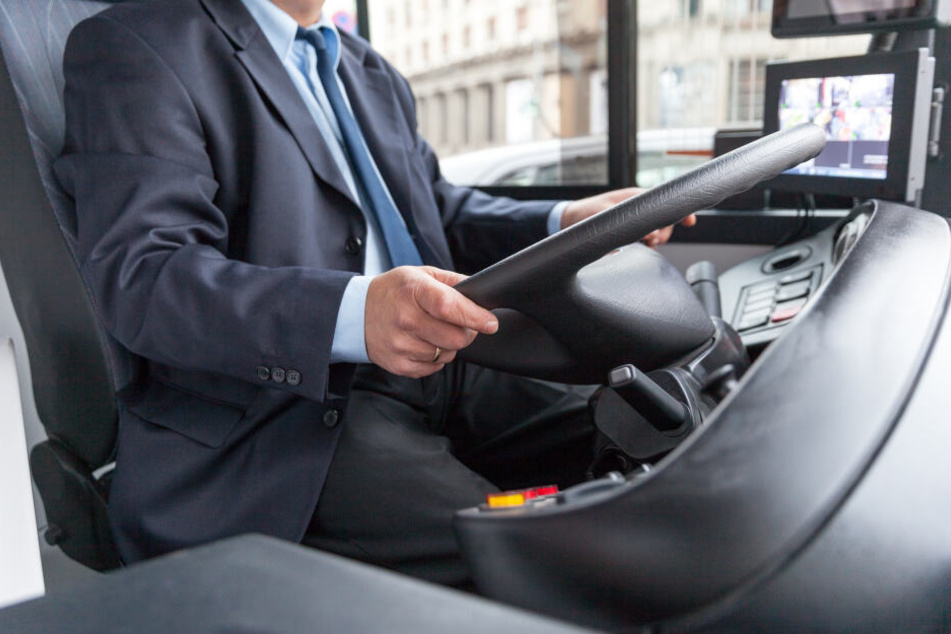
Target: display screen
<point>850,11</point>
<point>856,114</point>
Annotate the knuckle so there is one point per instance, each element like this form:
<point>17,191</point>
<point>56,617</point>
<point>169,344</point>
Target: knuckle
<point>404,321</point>
<point>460,339</point>
<point>442,306</point>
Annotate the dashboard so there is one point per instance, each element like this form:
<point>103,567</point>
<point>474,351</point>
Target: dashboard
<point>763,295</point>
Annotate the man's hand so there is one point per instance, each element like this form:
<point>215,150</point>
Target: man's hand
<point>586,207</point>
<point>412,312</point>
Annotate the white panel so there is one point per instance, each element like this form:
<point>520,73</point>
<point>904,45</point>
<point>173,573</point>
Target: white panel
<point>21,573</point>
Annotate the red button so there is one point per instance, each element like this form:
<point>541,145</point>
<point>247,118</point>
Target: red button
<point>785,314</point>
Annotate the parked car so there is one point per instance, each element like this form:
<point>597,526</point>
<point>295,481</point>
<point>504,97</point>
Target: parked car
<point>661,155</point>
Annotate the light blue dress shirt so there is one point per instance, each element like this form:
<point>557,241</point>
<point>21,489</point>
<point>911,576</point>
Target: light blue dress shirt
<point>300,61</point>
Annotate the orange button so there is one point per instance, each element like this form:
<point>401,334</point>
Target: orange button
<point>510,499</point>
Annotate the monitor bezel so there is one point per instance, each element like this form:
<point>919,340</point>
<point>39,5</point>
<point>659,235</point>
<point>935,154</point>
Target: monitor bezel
<point>929,14</point>
<point>905,67</point>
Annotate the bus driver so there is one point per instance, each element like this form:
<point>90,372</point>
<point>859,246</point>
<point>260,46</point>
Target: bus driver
<point>260,223</point>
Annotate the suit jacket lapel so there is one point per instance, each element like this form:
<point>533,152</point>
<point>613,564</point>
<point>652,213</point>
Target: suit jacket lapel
<point>256,55</point>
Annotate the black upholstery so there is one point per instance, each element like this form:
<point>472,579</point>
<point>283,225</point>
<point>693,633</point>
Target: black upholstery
<point>75,367</point>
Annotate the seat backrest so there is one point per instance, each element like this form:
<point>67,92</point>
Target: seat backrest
<point>76,367</point>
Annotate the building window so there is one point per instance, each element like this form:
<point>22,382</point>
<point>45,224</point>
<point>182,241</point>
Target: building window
<point>489,92</point>
<point>463,97</point>
<point>442,120</point>
<point>747,83</point>
<point>422,116</point>
<point>521,18</point>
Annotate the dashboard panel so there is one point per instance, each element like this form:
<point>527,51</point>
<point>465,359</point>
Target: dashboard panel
<point>763,295</point>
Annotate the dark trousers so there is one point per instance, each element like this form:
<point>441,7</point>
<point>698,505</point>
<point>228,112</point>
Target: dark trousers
<point>414,451</point>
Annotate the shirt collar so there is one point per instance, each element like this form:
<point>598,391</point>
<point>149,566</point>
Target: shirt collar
<point>280,29</point>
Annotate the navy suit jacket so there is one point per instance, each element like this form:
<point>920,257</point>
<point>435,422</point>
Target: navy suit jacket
<point>217,236</point>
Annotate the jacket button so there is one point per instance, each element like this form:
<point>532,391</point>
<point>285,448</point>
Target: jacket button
<point>278,375</point>
<point>331,418</point>
<point>293,377</point>
<point>263,373</point>
<point>354,245</point>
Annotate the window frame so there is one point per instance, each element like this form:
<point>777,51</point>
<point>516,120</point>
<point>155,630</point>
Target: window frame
<point>622,115</point>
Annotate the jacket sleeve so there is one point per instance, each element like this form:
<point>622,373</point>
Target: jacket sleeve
<point>153,245</point>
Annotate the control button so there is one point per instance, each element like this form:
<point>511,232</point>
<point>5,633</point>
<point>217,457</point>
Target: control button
<point>762,287</point>
<point>755,305</point>
<point>509,499</point>
<point>263,373</point>
<point>354,245</point>
<point>796,277</point>
<point>792,291</point>
<point>752,320</point>
<point>293,377</point>
<point>787,310</point>
<point>278,375</point>
<point>331,418</point>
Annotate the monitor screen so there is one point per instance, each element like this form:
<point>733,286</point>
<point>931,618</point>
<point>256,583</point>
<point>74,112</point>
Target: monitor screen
<point>856,113</point>
<point>798,18</point>
<point>869,152</point>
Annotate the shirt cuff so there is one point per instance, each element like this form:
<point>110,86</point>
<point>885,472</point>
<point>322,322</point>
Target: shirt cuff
<point>349,344</point>
<point>554,216</point>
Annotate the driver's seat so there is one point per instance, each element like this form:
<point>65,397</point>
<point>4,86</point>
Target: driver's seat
<point>76,368</point>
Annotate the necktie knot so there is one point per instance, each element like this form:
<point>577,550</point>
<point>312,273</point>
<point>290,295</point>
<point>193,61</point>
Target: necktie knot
<point>312,36</point>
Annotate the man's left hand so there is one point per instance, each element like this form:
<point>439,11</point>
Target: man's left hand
<point>586,207</point>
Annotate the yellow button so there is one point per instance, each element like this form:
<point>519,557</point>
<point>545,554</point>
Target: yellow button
<point>503,500</point>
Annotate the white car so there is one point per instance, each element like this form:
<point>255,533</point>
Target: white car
<point>661,155</point>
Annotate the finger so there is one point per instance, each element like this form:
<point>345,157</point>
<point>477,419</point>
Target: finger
<point>425,352</point>
<point>663,235</point>
<point>433,332</point>
<point>625,193</point>
<point>449,278</point>
<point>449,305</point>
<point>689,221</point>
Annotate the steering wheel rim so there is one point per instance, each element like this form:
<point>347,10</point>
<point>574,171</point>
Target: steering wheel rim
<point>568,313</point>
<point>507,284</point>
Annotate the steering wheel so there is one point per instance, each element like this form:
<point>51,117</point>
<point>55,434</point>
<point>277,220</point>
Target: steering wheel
<point>569,313</point>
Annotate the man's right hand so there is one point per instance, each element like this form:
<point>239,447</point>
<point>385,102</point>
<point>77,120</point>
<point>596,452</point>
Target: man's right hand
<point>412,311</point>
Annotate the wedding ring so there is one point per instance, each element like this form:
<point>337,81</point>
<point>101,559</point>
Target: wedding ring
<point>437,354</point>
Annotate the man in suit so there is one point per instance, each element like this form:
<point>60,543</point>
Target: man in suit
<point>261,224</point>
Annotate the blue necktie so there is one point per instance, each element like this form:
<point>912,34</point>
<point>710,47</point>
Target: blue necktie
<point>399,243</point>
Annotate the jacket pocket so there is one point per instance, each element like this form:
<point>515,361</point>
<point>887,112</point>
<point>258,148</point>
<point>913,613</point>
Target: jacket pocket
<point>201,419</point>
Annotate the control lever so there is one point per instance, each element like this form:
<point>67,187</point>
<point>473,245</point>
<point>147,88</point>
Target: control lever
<point>703,279</point>
<point>650,400</point>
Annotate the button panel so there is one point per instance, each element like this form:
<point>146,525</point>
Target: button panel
<point>775,302</point>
